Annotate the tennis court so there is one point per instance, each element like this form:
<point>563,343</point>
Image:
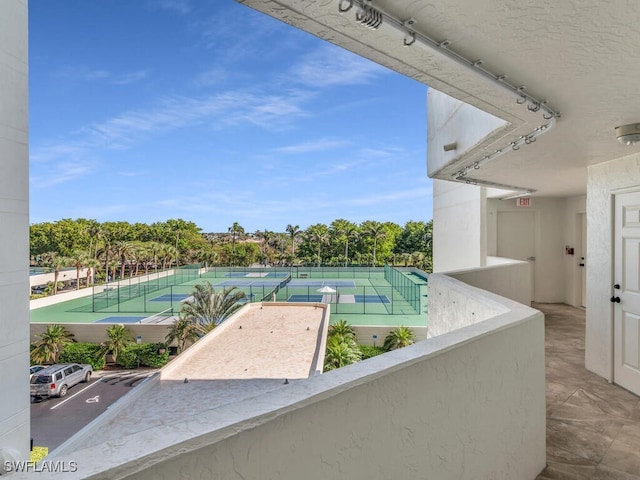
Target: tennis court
<point>114,319</point>
<point>249,283</point>
<point>171,297</point>
<point>360,295</point>
<point>256,274</point>
<point>322,283</point>
<point>333,298</point>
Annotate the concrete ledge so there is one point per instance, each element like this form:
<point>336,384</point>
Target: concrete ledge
<point>467,404</point>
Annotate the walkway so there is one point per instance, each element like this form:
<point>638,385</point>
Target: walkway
<point>593,427</point>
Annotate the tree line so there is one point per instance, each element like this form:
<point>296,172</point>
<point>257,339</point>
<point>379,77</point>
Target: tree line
<point>111,250</point>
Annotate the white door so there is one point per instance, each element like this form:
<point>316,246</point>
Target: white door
<point>516,238</point>
<point>626,292</point>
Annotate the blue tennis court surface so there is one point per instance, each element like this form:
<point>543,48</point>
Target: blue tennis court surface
<point>171,297</point>
<point>322,283</point>
<point>256,274</point>
<point>250,283</point>
<point>120,320</point>
<point>305,298</point>
<point>371,299</point>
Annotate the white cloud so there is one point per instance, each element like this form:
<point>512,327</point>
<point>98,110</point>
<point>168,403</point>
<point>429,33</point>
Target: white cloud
<point>330,66</point>
<point>399,195</point>
<point>74,74</point>
<point>61,173</point>
<point>128,78</point>
<point>180,6</point>
<point>312,146</point>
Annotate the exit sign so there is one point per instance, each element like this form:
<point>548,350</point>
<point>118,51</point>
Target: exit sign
<point>523,201</point>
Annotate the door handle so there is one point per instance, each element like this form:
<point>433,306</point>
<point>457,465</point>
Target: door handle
<point>615,299</point>
<point>531,258</point>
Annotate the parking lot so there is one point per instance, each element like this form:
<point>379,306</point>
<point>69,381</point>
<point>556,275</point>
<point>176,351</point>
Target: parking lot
<point>54,420</point>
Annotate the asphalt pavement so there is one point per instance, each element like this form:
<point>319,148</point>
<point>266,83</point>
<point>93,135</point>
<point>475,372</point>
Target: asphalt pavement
<point>55,420</point>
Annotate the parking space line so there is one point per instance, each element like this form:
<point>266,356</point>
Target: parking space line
<point>75,394</point>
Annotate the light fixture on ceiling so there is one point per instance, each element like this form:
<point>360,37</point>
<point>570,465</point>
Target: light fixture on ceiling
<point>628,134</point>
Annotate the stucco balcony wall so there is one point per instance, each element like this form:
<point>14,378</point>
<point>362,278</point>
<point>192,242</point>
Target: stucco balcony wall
<point>467,404</point>
<point>503,276</point>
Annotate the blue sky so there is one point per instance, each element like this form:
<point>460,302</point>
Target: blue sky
<point>211,112</point>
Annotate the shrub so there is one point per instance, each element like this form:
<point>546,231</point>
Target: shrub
<point>83,353</point>
<point>150,355</point>
<point>399,337</point>
<point>369,351</point>
<point>145,355</point>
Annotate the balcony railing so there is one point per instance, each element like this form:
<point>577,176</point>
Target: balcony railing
<point>465,404</point>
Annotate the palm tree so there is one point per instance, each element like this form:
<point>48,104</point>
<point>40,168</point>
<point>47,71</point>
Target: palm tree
<point>78,259</point>
<point>119,337</point>
<point>234,230</point>
<point>375,231</point>
<point>399,337</point>
<point>184,331</point>
<point>293,231</point>
<point>418,258</point>
<point>155,250</point>
<point>94,230</point>
<point>345,231</point>
<point>57,263</point>
<point>318,234</point>
<point>168,253</point>
<point>341,327</point>
<point>124,250</point>
<point>92,264</point>
<point>138,254</point>
<point>209,308</point>
<point>113,265</point>
<point>341,351</point>
<point>52,342</point>
<point>267,236</point>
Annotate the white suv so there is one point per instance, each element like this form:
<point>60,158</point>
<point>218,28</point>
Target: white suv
<point>54,381</point>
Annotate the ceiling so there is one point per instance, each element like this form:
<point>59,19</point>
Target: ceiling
<point>581,56</point>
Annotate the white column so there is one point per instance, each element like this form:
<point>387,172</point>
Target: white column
<point>14,232</point>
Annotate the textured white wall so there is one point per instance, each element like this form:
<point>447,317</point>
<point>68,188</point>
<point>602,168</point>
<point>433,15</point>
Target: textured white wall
<point>14,228</point>
<point>507,278</point>
<point>604,180</point>
<point>452,121</point>
<point>459,228</point>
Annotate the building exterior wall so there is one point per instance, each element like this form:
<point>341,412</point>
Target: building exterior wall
<point>459,227</point>
<point>450,122</point>
<point>14,230</point>
<point>604,181</point>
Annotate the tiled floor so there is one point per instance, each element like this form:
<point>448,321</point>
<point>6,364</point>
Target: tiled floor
<point>593,427</point>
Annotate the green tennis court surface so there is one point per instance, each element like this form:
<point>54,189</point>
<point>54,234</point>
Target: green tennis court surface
<point>359,295</point>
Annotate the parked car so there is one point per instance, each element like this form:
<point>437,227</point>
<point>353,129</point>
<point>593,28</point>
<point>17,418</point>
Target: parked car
<point>56,380</point>
<point>34,369</point>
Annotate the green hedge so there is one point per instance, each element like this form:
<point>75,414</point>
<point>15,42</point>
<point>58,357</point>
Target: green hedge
<point>369,351</point>
<point>83,353</point>
<point>148,354</point>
